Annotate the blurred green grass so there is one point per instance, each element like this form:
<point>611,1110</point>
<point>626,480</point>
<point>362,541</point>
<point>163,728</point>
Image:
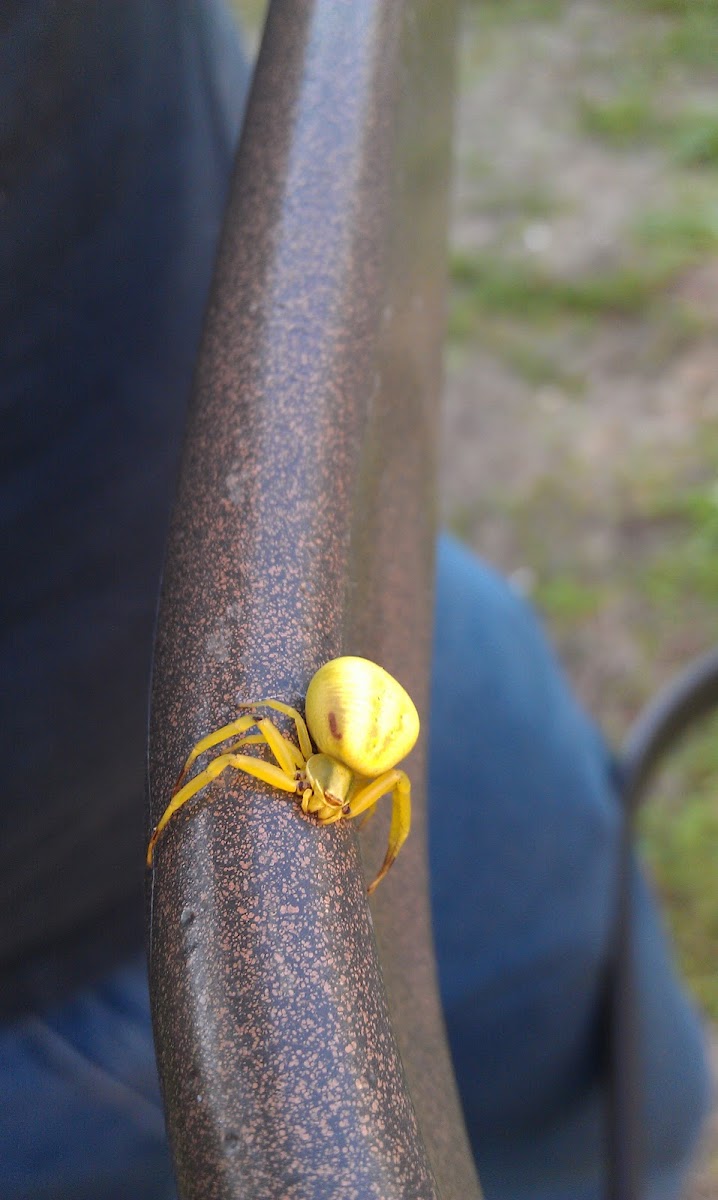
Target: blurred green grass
<point>656,95</point>
<point>620,120</point>
<point>489,282</point>
<point>251,14</point>
<point>631,118</point>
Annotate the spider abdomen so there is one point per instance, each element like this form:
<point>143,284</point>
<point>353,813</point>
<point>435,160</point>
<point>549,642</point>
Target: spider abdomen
<point>359,714</point>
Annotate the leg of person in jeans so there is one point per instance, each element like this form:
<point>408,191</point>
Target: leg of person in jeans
<point>80,1110</point>
<point>118,123</point>
<point>524,840</point>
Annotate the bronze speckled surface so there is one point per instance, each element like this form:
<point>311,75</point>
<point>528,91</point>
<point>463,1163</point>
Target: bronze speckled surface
<point>304,529</point>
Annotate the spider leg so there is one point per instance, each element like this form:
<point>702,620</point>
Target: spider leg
<point>299,722</point>
<point>240,725</point>
<point>286,754</point>
<point>257,767</point>
<point>278,744</point>
<point>398,784</point>
<point>252,739</point>
<point>257,739</point>
<point>298,758</point>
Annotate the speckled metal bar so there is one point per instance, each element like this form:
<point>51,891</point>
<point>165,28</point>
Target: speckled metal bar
<point>293,1065</point>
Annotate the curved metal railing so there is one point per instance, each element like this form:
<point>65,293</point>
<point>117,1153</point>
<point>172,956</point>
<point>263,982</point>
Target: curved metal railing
<point>299,1034</point>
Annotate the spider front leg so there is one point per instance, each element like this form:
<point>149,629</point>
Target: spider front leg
<point>240,725</point>
<point>299,722</point>
<point>396,782</point>
<point>285,753</point>
<point>257,767</point>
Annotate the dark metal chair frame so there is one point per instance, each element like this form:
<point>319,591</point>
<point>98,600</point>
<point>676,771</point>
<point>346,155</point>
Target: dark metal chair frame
<point>292,1063</point>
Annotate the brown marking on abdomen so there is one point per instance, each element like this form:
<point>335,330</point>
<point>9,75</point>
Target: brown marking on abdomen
<point>334,726</point>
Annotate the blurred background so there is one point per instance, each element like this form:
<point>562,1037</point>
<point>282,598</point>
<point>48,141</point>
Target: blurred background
<point>580,437</point>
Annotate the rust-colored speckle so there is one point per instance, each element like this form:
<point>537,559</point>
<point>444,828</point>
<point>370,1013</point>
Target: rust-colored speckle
<point>334,726</point>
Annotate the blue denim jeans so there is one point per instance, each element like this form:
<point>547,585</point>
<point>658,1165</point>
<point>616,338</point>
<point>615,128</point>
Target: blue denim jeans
<point>524,838</point>
<point>522,958</point>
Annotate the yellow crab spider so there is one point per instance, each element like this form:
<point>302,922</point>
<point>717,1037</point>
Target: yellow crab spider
<point>362,722</point>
